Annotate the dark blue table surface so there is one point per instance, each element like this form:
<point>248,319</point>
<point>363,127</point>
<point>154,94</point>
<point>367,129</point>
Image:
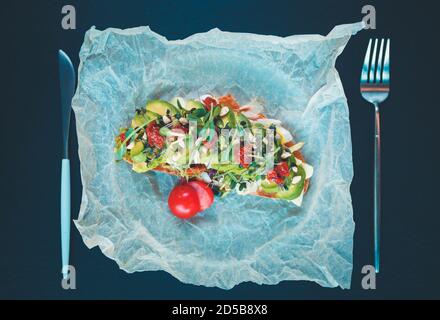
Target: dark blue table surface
<point>31,145</point>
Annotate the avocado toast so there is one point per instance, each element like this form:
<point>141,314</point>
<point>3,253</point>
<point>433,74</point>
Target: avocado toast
<point>217,140</point>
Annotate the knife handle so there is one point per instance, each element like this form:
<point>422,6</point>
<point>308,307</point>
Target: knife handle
<point>65,215</point>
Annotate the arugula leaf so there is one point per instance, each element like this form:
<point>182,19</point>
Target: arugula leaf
<point>198,112</point>
<point>206,118</point>
<point>244,121</point>
<point>290,162</point>
<point>197,115</point>
<point>178,104</point>
<point>215,112</point>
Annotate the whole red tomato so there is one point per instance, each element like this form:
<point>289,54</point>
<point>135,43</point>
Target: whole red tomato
<point>204,192</point>
<point>183,201</point>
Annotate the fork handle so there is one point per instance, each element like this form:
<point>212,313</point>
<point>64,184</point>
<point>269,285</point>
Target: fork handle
<point>377,178</point>
<point>65,215</point>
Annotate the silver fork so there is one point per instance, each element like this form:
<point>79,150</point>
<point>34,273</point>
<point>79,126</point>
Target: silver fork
<point>375,87</point>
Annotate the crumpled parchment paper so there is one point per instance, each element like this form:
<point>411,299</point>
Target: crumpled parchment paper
<point>240,238</point>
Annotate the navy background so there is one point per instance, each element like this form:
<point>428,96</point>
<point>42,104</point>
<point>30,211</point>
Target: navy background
<point>30,133</point>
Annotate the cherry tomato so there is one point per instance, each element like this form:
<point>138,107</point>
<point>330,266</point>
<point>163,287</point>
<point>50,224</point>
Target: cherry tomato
<point>271,175</point>
<point>282,169</point>
<point>183,201</point>
<point>205,194</point>
<point>154,137</point>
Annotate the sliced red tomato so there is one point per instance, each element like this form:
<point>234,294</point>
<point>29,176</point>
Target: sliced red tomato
<point>282,169</point>
<point>273,176</point>
<point>205,194</point>
<point>154,137</point>
<point>183,201</point>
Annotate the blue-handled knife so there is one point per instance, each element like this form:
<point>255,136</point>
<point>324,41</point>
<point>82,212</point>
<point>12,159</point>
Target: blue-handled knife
<point>67,87</point>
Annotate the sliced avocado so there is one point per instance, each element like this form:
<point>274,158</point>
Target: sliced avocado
<point>138,147</point>
<point>294,190</point>
<point>150,115</point>
<point>269,187</point>
<point>140,119</point>
<point>161,107</point>
<point>193,104</point>
<point>189,105</point>
<point>140,157</point>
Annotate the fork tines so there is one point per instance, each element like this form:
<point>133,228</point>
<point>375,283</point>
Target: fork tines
<point>375,74</point>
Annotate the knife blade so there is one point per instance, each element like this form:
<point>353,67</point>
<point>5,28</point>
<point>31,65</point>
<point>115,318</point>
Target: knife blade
<point>67,87</point>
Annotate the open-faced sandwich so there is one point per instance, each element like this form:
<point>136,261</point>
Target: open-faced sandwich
<point>217,141</point>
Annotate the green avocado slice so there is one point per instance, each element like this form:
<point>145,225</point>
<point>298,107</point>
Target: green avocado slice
<point>161,107</point>
<point>138,147</point>
<point>138,121</point>
<point>150,115</point>
<point>269,187</point>
<point>294,191</point>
